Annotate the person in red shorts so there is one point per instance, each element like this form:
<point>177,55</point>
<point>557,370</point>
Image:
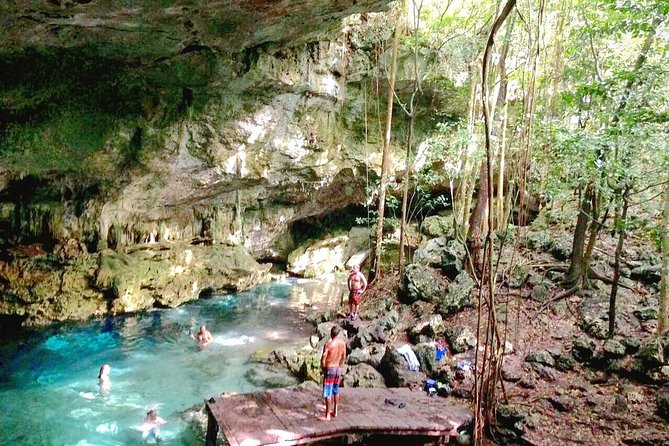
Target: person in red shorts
<point>357,284</point>
<point>334,355</point>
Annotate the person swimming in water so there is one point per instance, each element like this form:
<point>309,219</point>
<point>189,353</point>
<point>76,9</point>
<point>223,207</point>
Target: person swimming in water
<point>103,377</point>
<point>203,336</point>
<point>151,425</point>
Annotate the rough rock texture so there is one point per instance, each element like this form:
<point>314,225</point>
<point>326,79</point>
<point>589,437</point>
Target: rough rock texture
<point>363,375</point>
<point>396,372</point>
<point>422,283</point>
<point>45,288</point>
<point>201,123</point>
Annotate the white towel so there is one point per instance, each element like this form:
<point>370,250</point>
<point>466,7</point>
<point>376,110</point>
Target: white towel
<point>409,356</point>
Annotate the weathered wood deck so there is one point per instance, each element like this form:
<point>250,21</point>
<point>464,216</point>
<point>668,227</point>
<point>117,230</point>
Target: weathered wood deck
<point>288,416</point>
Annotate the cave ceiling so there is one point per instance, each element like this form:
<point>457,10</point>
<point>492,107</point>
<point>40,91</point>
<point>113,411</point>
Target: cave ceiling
<point>154,28</point>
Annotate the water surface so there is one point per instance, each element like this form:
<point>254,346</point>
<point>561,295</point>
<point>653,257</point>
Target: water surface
<point>49,393</point>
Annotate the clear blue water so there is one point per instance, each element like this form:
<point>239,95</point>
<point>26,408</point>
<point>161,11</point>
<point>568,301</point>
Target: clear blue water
<point>49,392</point>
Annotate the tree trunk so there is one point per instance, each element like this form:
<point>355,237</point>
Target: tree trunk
<point>463,197</point>
<point>412,115</point>
<point>576,272</point>
<point>376,267</point>
<point>663,311</point>
<point>477,219</point>
<point>488,371</point>
<point>620,224</point>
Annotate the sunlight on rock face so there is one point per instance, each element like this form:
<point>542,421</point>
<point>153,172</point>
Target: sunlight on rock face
<point>329,85</point>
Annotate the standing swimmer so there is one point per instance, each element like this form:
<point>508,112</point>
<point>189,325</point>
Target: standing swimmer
<point>203,336</point>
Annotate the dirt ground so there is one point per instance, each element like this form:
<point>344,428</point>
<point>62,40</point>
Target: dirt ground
<point>585,405</point>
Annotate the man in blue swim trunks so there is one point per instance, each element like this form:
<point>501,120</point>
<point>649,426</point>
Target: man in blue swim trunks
<point>334,355</point>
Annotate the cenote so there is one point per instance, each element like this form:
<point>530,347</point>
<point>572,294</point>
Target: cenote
<point>49,393</point>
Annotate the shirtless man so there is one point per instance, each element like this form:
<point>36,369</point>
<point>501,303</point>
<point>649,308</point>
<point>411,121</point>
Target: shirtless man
<point>357,284</point>
<point>203,336</point>
<point>334,355</point>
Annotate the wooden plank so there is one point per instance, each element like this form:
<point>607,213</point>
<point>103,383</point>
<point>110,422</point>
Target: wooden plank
<point>288,416</point>
<point>249,421</point>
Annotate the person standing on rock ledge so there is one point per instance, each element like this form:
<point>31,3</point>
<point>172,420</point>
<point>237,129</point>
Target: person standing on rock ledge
<point>334,355</point>
<point>357,284</point>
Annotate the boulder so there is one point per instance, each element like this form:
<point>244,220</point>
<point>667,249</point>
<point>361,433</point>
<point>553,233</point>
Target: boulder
<point>561,247</point>
<point>539,292</point>
<point>458,295</point>
<point>315,259</point>
<point>541,357</point>
<point>427,356</point>
<point>358,243</point>
<point>453,259</point>
<point>396,373</point>
<point>510,424</point>
<point>613,349</point>
<point>358,356</point>
<point>379,331</point>
<point>631,344</point>
<point>438,226</point>
<point>647,273</point>
<point>461,338</point>
<point>430,252</point>
<point>583,348</point>
<point>652,353</point>
<point>311,369</point>
<point>428,327</point>
<point>562,403</point>
<point>645,313</point>
<point>324,328</point>
<point>363,375</point>
<point>269,377</point>
<point>422,283</point>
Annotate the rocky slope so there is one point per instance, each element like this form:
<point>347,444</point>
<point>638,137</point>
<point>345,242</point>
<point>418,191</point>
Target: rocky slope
<point>563,380</point>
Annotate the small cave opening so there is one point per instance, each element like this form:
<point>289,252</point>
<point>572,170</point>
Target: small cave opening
<point>335,222</point>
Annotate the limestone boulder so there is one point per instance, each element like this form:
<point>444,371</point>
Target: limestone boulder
<point>427,356</point>
<point>422,283</point>
<point>315,259</point>
<point>438,226</point>
<point>458,295</point>
<point>461,338</point>
<point>396,373</point>
<point>363,375</point>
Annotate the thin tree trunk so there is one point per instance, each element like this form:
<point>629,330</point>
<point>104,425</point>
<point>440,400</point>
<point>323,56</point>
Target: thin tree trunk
<point>412,115</point>
<point>464,194</point>
<point>488,371</point>
<point>525,136</point>
<point>663,311</point>
<point>376,267</point>
<point>477,218</point>
<point>616,266</point>
<point>579,267</point>
<point>575,272</point>
<point>499,217</point>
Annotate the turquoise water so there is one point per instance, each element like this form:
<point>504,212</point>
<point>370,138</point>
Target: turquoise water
<point>49,392</point>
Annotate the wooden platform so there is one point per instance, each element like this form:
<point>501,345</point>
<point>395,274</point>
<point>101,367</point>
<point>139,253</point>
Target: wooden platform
<point>288,416</point>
